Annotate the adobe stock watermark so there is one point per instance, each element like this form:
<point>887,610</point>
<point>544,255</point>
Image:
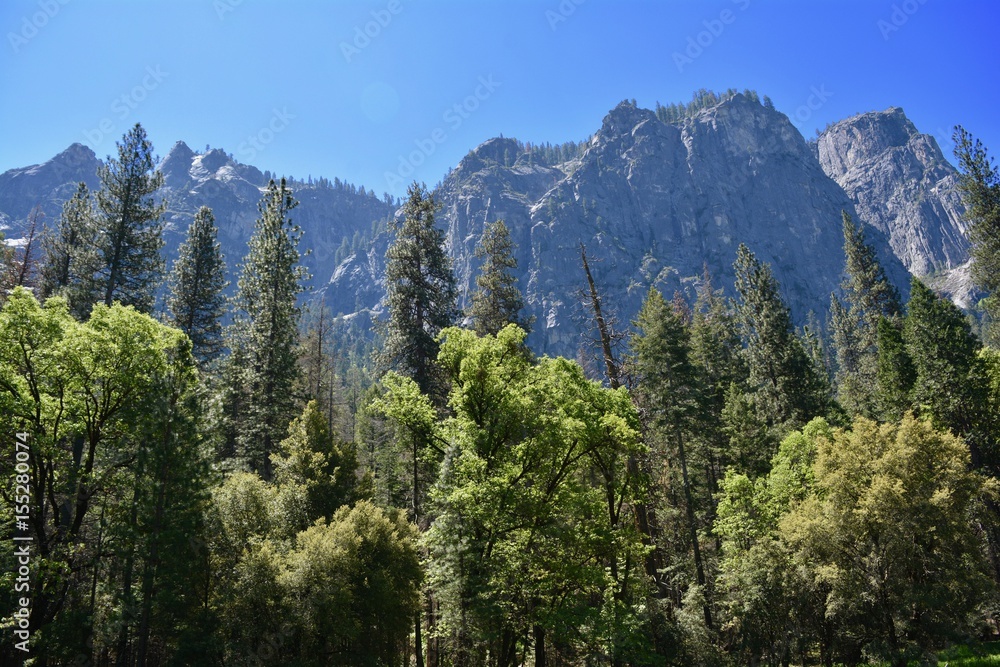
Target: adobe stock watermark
<point>698,43</point>
<point>901,13</point>
<point>258,141</point>
<point>223,7</point>
<point>22,542</point>
<point>31,25</point>
<point>817,98</point>
<point>562,13</point>
<point>453,117</point>
<point>364,34</point>
<point>123,105</point>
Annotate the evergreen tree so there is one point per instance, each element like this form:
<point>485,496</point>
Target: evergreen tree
<point>196,301</point>
<point>420,294</point>
<point>130,231</point>
<point>869,297</point>
<point>980,186</point>
<point>70,257</point>
<point>949,380</point>
<point>497,300</point>
<point>894,373</point>
<point>788,389</point>
<point>264,332</point>
<point>672,397</point>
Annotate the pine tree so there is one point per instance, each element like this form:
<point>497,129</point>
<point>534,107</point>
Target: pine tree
<point>130,233</point>
<point>420,294</point>
<point>264,332</point>
<point>980,186</point>
<point>949,381</point>
<point>894,373</point>
<point>673,398</point>
<point>69,261</point>
<point>788,389</point>
<point>196,301</point>
<point>869,297</point>
<point>497,300</point>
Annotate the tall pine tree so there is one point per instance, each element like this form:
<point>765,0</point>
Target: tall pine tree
<point>980,186</point>
<point>788,390</point>
<point>130,231</point>
<point>69,261</point>
<point>497,300</point>
<point>196,301</point>
<point>420,294</point>
<point>868,297</point>
<point>262,368</point>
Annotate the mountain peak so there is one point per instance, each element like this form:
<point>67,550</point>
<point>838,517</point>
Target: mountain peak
<point>624,117</point>
<point>178,161</point>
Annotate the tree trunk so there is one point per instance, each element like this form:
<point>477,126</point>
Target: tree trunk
<point>689,501</point>
<point>539,633</point>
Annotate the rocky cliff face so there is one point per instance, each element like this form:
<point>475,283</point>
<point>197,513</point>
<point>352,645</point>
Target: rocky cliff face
<point>654,203</point>
<point>47,185</point>
<point>327,212</point>
<point>901,184</point>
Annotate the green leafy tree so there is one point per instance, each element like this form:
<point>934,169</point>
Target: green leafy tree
<point>262,368</point>
<point>786,386</point>
<point>887,531</point>
<point>980,186</point>
<point>869,297</point>
<point>130,230</point>
<point>116,474</point>
<point>196,302</point>
<point>352,586</point>
<point>497,300</point>
<point>535,480</point>
<point>420,294</point>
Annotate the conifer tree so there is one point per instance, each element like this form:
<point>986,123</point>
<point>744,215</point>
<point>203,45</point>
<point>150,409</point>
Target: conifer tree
<point>196,301</point>
<point>980,186</point>
<point>672,396</point>
<point>497,300</point>
<point>788,389</point>
<point>264,332</point>
<point>949,381</point>
<point>420,294</point>
<point>130,231</point>
<point>69,261</point>
<point>868,298</point>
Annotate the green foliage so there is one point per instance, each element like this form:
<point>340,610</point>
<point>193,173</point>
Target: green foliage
<point>980,186</point>
<point>130,230</point>
<point>787,388</point>
<point>497,300</point>
<point>949,385</point>
<point>70,258</point>
<point>116,470</point>
<point>534,482</point>
<point>869,298</point>
<point>420,293</point>
<point>196,302</point>
<point>262,369</point>
<point>886,534</point>
<point>352,587</point>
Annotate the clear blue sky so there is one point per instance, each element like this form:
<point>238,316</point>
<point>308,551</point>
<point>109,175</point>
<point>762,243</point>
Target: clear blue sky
<point>298,88</point>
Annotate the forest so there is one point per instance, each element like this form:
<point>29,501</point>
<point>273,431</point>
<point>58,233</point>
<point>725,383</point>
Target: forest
<point>191,478</point>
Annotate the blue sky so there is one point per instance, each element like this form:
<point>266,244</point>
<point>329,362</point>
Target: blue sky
<point>367,91</point>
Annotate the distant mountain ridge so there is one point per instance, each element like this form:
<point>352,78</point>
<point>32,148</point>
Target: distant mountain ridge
<point>654,199</point>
